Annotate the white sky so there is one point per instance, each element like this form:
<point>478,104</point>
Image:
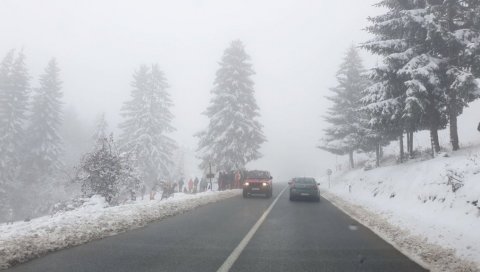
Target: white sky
<point>295,45</point>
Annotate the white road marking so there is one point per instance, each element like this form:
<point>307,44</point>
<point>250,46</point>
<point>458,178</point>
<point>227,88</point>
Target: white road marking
<point>238,250</point>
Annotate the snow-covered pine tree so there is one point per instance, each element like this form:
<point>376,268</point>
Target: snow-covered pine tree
<point>44,146</point>
<point>147,122</point>
<point>347,131</point>
<point>179,172</point>
<point>76,137</point>
<point>101,128</point>
<point>14,94</point>
<point>406,93</point>
<point>6,152</point>
<point>234,134</point>
<point>454,34</point>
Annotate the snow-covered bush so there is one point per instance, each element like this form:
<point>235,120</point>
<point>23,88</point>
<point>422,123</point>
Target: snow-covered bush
<point>106,172</point>
<point>69,205</point>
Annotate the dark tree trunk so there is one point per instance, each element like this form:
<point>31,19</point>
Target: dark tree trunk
<point>434,124</point>
<point>434,140</point>
<point>410,151</point>
<point>378,152</point>
<point>454,131</point>
<point>350,155</point>
<point>453,99</point>
<point>410,144</point>
<point>402,151</point>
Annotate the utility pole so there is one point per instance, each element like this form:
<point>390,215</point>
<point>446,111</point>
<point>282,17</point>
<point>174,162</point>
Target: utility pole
<point>210,175</point>
<point>329,173</point>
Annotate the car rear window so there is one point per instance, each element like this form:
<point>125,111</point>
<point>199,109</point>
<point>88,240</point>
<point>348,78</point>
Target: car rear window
<point>305,181</point>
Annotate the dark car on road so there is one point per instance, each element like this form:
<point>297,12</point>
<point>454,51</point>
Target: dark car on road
<point>304,188</point>
<point>257,182</point>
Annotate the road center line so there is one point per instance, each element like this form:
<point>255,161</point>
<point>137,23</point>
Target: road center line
<point>241,246</point>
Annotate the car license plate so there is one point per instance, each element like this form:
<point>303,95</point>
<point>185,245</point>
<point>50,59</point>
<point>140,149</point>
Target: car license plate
<point>304,194</point>
<point>255,189</point>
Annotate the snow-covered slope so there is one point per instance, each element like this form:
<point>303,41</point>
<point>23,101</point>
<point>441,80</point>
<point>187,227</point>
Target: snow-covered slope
<point>434,202</point>
<point>22,241</point>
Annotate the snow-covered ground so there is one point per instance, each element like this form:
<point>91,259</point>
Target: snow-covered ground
<point>428,209</point>
<point>22,241</point>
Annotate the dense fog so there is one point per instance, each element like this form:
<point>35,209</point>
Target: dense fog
<point>100,48</point>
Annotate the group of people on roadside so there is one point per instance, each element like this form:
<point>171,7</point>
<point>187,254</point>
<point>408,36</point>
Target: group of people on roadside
<point>193,186</point>
<point>230,180</point>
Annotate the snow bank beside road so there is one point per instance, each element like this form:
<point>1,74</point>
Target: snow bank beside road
<point>23,241</point>
<point>428,208</point>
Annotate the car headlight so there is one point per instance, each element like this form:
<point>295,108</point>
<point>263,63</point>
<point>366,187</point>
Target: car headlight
<point>246,183</point>
<point>264,184</point>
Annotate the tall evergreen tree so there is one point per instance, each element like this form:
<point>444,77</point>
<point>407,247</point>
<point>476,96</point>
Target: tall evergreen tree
<point>76,137</point>
<point>6,149</point>
<point>406,93</point>
<point>347,131</point>
<point>147,122</point>
<point>454,32</point>
<point>430,50</point>
<point>44,145</point>
<point>101,128</point>
<point>234,134</point>
<point>14,94</point>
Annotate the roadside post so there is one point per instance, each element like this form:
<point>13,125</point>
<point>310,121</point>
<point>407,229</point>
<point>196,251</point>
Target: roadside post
<point>329,173</point>
<point>210,176</point>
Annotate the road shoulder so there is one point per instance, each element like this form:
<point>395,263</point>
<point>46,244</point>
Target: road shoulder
<point>428,255</point>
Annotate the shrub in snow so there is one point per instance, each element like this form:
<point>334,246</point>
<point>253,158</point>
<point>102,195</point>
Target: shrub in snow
<point>68,205</point>
<point>107,173</point>
<point>455,179</point>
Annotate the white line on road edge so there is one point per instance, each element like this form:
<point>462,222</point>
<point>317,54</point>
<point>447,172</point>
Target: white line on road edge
<point>238,250</point>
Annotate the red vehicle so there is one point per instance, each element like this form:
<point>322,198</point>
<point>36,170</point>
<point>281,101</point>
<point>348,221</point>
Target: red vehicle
<point>257,182</point>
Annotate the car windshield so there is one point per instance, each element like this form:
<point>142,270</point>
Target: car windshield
<point>258,175</point>
<point>240,135</point>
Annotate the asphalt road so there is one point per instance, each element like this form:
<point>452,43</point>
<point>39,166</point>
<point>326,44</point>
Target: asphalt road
<point>295,236</point>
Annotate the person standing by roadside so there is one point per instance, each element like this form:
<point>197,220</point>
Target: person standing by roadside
<point>153,191</point>
<point>237,180</point>
<point>143,189</point>
<point>10,216</point>
<point>195,185</point>
<point>203,184</point>
<point>180,185</point>
<point>221,181</point>
<point>478,128</point>
<point>190,186</point>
